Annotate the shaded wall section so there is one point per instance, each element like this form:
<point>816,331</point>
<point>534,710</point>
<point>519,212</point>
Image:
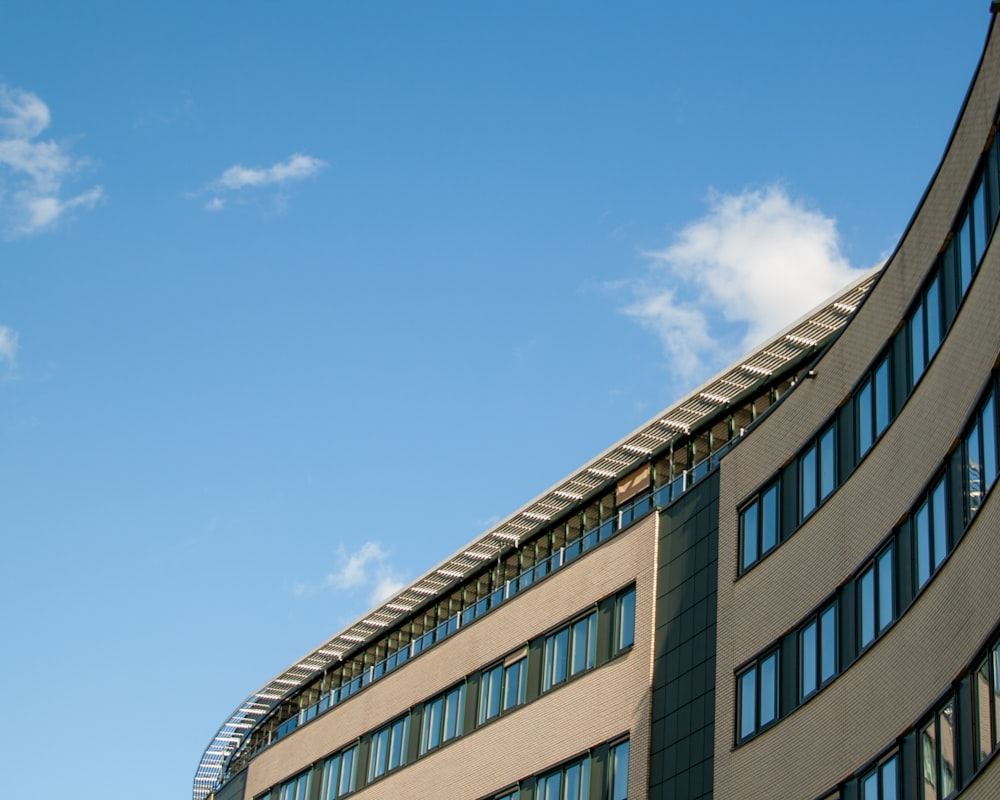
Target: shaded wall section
<point>683,731</point>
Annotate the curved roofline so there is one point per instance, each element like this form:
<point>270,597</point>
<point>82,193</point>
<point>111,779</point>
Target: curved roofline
<point>813,329</point>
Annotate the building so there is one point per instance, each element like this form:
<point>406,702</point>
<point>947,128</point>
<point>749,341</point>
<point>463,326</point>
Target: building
<point>785,585</point>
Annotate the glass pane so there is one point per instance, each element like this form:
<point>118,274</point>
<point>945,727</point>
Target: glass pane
<point>866,602</point>
<point>828,466</point>
<point>769,519</point>
<point>989,444</point>
<point>965,253</point>
<point>939,527</point>
<point>580,646</point>
<point>626,620</point>
<point>749,527</point>
<point>432,725</point>
<point>869,786</point>
<point>453,705</point>
<point>979,223</point>
<point>866,425</point>
<point>489,693</point>
<point>514,684</point>
<point>574,788</point>
<point>973,471</point>
<point>922,534</point>
<point>619,772</point>
<point>828,644</point>
<point>984,736</point>
<point>556,647</point>
<point>807,654</point>
<point>347,765</point>
<point>946,734</point>
<point>748,702</point>
<point>550,787</point>
<point>928,754</point>
<point>769,689</point>
<point>807,469</point>
<point>933,317</point>
<point>886,590</point>
<point>883,397</point>
<point>331,774</point>
<point>917,357</point>
<point>889,779</point>
<point>995,657</point>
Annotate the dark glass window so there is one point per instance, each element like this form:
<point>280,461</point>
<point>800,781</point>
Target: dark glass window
<point>873,404</point>
<point>876,597</point>
<point>818,471</point>
<point>930,530</point>
<point>338,774</point>
<point>981,465</point>
<point>818,651</point>
<point>388,748</point>
<point>925,329</point>
<point>757,687</point>
<point>625,620</point>
<point>937,754</point>
<point>442,719</point>
<point>759,527</point>
<point>297,788</point>
<point>618,772</point>
<point>987,705</point>
<point>501,687</point>
<point>882,781</point>
<point>571,782</point>
<point>570,651</point>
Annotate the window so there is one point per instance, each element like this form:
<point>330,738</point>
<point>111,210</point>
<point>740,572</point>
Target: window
<point>981,465</point>
<point>759,527</point>
<point>937,754</point>
<point>818,651</point>
<point>818,471</point>
<point>758,695</point>
<point>618,771</point>
<point>930,528</point>
<point>501,687</point>
<point>442,719</point>
<point>388,748</point>
<point>876,597</point>
<point>570,651</point>
<point>338,774</point>
<point>882,782</point>
<point>297,788</point>
<point>972,238</point>
<point>571,782</point>
<point>873,404</point>
<point>987,703</point>
<point>625,620</point>
<point>925,329</point>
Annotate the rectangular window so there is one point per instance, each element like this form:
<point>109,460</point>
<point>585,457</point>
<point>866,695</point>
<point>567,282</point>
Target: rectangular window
<point>987,705</point>
<point>981,465</point>
<point>930,529</point>
<point>937,754</point>
<point>757,687</point>
<point>297,788</point>
<point>571,782</point>
<point>882,782</point>
<point>759,527</point>
<point>818,651</point>
<point>570,651</point>
<point>501,687</point>
<point>876,597</point>
<point>873,404</point>
<point>442,719</point>
<point>338,774</point>
<point>625,620</point>
<point>925,329</point>
<point>618,772</point>
<point>388,748</point>
<point>818,471</point>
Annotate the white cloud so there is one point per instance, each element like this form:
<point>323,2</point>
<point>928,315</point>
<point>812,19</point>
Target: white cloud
<point>241,179</point>
<point>753,264</point>
<point>366,570</point>
<point>32,172</point>
<point>8,345</point>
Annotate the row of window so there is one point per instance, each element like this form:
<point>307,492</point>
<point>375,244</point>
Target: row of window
<point>592,639</point>
<point>861,609</point>
<point>941,754</point>
<point>790,498</point>
<point>602,772</point>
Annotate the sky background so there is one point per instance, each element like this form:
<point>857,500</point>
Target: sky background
<point>296,300</point>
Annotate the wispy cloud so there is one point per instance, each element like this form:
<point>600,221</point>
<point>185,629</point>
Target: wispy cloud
<point>32,171</point>
<point>753,264</point>
<point>8,345</point>
<point>366,569</point>
<point>240,179</point>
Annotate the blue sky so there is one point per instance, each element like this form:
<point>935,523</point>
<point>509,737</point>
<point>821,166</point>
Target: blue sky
<point>295,301</point>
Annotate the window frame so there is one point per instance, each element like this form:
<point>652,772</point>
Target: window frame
<point>823,629</point>
<point>759,518</point>
<point>387,751</point>
<point>881,569</point>
<point>815,484</point>
<point>441,714</point>
<point>936,743</point>
<point>754,672</point>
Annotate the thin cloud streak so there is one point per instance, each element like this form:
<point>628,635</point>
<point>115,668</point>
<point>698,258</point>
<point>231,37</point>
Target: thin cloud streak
<point>32,172</point>
<point>754,263</point>
<point>8,345</point>
<point>239,179</point>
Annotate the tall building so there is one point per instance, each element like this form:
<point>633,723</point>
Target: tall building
<point>784,585</point>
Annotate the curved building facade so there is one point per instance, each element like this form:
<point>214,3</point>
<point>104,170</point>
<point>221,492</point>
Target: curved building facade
<point>784,585</point>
